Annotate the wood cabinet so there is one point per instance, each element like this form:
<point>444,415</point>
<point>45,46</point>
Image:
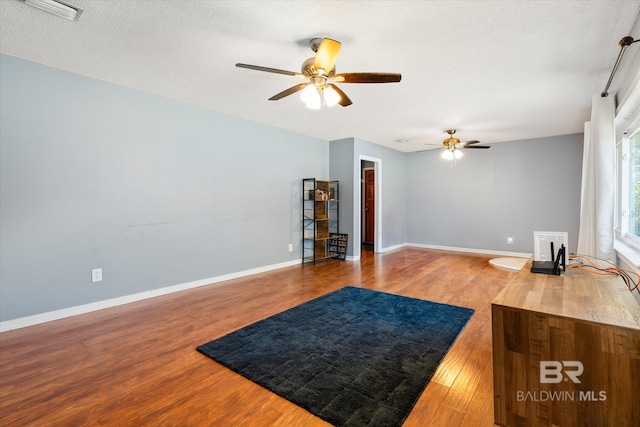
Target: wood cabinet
<point>320,218</point>
<point>566,351</point>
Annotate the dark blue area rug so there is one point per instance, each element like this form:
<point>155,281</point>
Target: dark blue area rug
<point>353,357</point>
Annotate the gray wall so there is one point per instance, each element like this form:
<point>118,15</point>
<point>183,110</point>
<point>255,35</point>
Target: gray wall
<point>345,166</point>
<point>155,192</point>
<point>159,193</point>
<point>341,169</point>
<point>393,190</point>
<point>511,190</point>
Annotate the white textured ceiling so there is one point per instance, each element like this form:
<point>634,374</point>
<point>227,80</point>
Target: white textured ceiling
<point>494,70</point>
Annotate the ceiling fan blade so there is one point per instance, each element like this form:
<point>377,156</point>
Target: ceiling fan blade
<point>288,92</point>
<point>368,77</point>
<point>428,149</point>
<point>269,70</point>
<point>326,55</point>
<point>469,144</point>
<point>344,99</point>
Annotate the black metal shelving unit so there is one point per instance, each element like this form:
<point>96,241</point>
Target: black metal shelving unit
<point>320,219</point>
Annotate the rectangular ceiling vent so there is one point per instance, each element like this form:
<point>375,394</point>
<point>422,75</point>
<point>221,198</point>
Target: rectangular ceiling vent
<point>57,7</point>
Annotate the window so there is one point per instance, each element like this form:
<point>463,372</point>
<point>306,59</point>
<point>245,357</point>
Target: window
<point>634,186</point>
<point>628,187</point>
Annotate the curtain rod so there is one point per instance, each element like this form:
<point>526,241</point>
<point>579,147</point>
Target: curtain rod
<point>624,43</point>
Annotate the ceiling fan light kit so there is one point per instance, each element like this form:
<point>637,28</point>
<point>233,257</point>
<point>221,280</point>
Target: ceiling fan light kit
<point>451,154</point>
<point>320,72</point>
<point>315,97</point>
<point>310,95</point>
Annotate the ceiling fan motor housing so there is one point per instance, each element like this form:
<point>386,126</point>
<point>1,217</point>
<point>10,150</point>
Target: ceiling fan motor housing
<point>451,142</point>
<point>309,70</point>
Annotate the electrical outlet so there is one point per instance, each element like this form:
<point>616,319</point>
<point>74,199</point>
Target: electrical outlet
<point>509,240</point>
<point>96,275</point>
<point>290,247</point>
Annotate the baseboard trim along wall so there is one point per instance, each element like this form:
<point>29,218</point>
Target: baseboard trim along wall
<point>23,322</point>
<point>470,250</point>
<point>448,248</point>
<point>393,248</point>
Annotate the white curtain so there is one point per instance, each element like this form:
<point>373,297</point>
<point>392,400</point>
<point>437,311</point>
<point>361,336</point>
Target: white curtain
<point>598,181</point>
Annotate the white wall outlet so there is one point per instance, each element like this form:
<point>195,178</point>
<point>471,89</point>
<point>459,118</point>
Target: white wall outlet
<point>96,275</point>
<point>509,240</point>
<point>290,247</point>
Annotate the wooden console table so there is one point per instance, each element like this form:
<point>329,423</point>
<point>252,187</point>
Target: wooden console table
<point>585,328</point>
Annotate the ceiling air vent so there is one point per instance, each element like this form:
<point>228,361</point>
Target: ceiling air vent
<point>58,8</point>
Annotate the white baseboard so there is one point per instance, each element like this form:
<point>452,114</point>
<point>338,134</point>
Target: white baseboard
<point>449,248</point>
<point>470,250</point>
<point>393,248</point>
<point>23,322</point>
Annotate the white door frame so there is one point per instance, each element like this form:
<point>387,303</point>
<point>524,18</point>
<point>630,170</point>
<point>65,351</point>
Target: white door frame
<point>377,212</point>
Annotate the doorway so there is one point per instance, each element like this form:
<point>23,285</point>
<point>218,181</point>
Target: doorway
<point>367,217</point>
<point>368,204</point>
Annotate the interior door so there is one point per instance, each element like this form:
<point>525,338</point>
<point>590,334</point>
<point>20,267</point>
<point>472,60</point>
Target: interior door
<point>369,205</point>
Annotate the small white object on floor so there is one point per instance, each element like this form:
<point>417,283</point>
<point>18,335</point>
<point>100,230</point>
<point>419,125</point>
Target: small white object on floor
<point>510,263</point>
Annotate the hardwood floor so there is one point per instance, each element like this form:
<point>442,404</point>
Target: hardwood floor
<point>137,365</point>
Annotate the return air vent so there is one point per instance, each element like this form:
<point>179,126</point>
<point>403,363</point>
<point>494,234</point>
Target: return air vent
<point>542,244</point>
<point>57,7</point>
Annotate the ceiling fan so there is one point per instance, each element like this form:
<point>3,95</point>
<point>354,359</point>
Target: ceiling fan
<point>320,75</point>
<point>452,146</point>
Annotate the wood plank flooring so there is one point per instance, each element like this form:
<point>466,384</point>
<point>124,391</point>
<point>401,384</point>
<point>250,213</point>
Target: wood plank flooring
<point>136,364</point>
